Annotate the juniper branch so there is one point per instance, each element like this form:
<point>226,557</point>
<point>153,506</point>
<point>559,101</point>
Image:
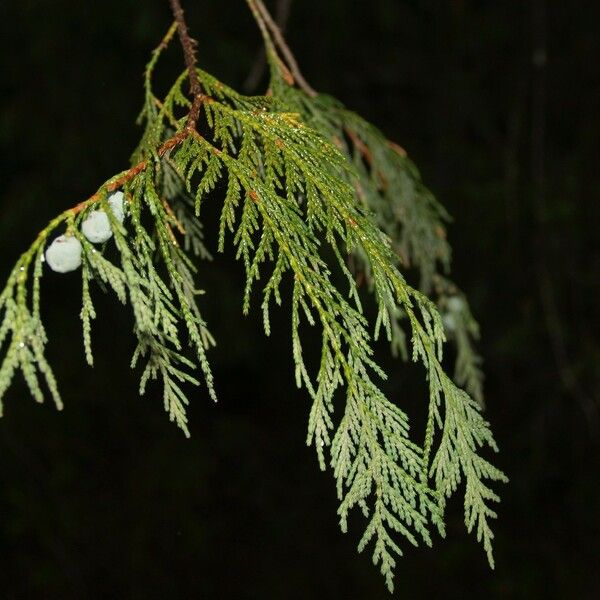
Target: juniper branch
<point>307,184</point>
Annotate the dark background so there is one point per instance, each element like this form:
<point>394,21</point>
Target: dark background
<point>108,499</point>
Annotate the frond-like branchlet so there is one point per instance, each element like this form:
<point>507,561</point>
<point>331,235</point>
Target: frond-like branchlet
<point>387,185</point>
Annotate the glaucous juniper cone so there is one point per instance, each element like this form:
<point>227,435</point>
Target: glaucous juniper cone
<point>455,304</point>
<point>64,254</point>
<point>116,202</point>
<point>96,227</point>
<point>449,321</point>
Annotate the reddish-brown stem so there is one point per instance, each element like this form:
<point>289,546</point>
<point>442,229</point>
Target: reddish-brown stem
<point>189,53</point>
<point>131,173</point>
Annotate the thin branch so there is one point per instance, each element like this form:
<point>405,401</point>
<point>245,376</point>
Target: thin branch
<point>135,170</point>
<point>189,52</point>
<point>259,66</point>
<point>289,57</point>
<point>260,11</point>
<point>156,54</point>
<point>270,49</point>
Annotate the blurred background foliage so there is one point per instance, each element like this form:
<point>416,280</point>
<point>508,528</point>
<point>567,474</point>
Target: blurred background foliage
<point>498,103</point>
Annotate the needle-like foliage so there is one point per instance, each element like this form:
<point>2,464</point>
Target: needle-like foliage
<point>313,200</point>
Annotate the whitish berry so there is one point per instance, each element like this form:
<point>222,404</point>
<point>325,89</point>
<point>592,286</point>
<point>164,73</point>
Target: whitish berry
<point>116,202</point>
<point>455,304</point>
<point>449,322</point>
<point>64,254</point>
<point>96,227</point>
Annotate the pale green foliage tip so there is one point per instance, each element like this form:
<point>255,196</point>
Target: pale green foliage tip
<point>312,192</point>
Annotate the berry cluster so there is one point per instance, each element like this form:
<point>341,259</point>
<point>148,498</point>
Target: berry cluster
<point>64,253</point>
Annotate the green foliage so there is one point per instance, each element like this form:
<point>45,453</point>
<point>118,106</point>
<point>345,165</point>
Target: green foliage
<point>388,184</point>
<point>311,195</point>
